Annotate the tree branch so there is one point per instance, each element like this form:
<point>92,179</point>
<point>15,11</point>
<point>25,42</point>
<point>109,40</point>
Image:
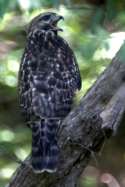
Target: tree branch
<point>83,131</point>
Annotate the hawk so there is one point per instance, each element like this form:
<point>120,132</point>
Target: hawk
<point>48,79</point>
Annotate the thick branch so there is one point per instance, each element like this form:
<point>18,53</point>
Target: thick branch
<point>83,131</point>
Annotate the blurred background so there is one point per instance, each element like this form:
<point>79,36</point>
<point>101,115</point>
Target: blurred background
<point>95,29</point>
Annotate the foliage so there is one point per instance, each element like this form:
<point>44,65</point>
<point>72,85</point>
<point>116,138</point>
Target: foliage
<point>89,32</point>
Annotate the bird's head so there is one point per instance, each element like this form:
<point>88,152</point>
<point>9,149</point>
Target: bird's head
<point>45,22</point>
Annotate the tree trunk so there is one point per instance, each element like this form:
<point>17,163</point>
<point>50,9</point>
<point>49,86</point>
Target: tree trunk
<point>84,130</point>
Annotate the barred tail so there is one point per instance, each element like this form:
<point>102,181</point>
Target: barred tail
<point>44,146</point>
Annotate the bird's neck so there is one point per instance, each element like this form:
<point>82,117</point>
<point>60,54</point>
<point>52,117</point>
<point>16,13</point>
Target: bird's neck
<point>37,40</point>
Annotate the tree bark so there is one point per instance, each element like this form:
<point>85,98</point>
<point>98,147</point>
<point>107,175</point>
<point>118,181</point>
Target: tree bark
<point>84,130</point>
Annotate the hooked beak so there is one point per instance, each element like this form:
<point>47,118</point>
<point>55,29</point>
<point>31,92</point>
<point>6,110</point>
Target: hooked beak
<point>58,18</point>
<point>54,24</point>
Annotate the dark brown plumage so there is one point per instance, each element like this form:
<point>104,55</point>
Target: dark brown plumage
<point>48,79</point>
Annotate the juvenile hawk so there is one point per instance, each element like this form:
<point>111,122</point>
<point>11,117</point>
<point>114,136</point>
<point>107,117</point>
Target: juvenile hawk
<point>48,79</point>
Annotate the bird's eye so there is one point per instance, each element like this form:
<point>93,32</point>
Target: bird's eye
<point>46,17</point>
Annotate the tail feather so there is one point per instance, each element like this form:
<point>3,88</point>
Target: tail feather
<point>44,146</point>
